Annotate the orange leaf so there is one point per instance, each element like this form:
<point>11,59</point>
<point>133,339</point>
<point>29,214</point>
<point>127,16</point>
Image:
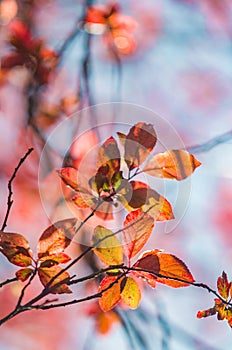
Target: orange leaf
<point>150,201</point>
<point>130,293</point>
<point>174,164</point>
<point>122,138</point>
<point>109,250</point>
<point>223,286</point>
<point>53,259</point>
<point>105,320</point>
<point>47,273</point>
<point>164,268</point>
<point>109,155</point>
<point>206,313</point>
<point>23,274</point>
<point>56,237</point>
<point>111,296</point>
<point>139,143</point>
<point>137,229</point>
<point>173,267</point>
<point>16,248</point>
<point>69,177</point>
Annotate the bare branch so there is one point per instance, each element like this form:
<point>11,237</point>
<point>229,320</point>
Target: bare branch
<point>9,199</point>
<point>9,280</point>
<point>207,146</point>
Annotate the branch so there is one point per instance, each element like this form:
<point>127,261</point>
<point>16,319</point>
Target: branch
<point>9,280</point>
<point>207,146</point>
<point>10,200</point>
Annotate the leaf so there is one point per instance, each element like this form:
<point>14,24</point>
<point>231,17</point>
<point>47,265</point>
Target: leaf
<point>122,138</point>
<point>105,320</point>
<point>16,248</point>
<point>137,229</point>
<point>111,296</point>
<point>174,164</point>
<point>223,286</point>
<point>24,274</point>
<point>109,157</point>
<point>69,177</point>
<point>84,200</point>
<point>149,201</point>
<point>206,313</point>
<point>139,142</point>
<point>164,268</point>
<point>47,273</point>
<point>56,237</point>
<point>130,293</point>
<point>53,259</point>
<point>173,267</point>
<point>109,250</point>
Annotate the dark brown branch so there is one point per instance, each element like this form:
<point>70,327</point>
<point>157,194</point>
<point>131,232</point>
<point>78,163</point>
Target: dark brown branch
<point>9,199</point>
<point>9,280</point>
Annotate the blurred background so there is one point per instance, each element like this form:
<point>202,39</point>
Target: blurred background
<point>166,62</point>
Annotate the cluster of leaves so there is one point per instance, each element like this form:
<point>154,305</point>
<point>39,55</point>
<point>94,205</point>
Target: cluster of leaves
<point>110,187</point>
<point>50,253</point>
<point>222,307</point>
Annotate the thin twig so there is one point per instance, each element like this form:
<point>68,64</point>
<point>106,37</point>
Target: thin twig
<point>9,199</point>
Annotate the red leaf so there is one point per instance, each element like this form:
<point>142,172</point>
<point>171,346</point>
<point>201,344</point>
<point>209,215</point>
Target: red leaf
<point>223,286</point>
<point>56,238</point>
<point>137,229</point>
<point>111,296</point>
<point>23,274</point>
<point>174,164</point>
<point>47,273</point>
<point>167,269</point>
<point>16,249</point>
<point>69,177</point>
<point>140,141</point>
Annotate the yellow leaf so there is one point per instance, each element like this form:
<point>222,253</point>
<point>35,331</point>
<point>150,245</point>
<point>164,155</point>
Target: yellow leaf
<point>109,249</point>
<point>111,296</point>
<point>130,294</point>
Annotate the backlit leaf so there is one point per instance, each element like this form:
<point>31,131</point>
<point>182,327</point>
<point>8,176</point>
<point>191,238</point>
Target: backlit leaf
<point>122,138</point>
<point>109,250</point>
<point>105,320</point>
<point>149,201</point>
<point>111,296</point>
<point>174,164</point>
<point>69,177</point>
<point>137,229</point>
<point>138,144</point>
<point>164,268</point>
<point>47,273</point>
<point>109,157</point>
<point>206,313</point>
<point>173,267</point>
<point>223,285</point>
<point>84,200</point>
<point>23,274</point>
<point>59,258</point>
<point>16,248</point>
<point>131,294</point>
<point>56,237</point>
